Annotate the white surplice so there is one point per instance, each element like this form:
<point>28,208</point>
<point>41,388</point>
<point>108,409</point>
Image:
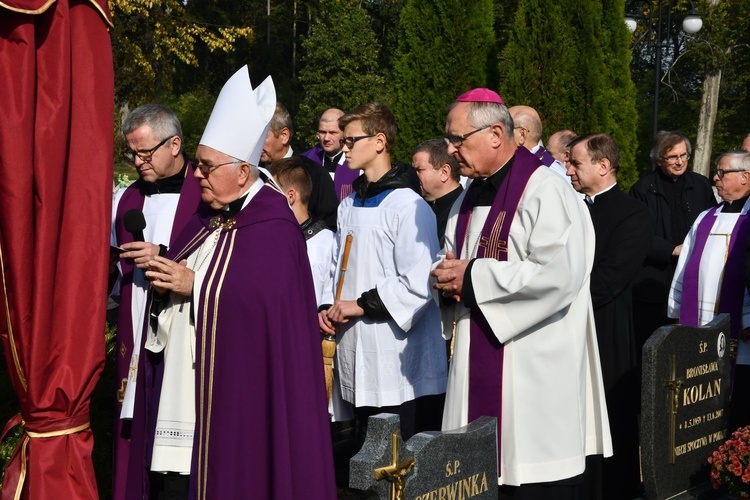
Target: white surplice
<point>320,250</point>
<point>386,363</point>
<point>175,335</point>
<point>538,305</point>
<point>710,272</point>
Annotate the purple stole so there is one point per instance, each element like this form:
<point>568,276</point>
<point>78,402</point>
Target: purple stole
<point>732,292</point>
<point>545,157</point>
<point>485,351</point>
<point>343,177</point>
<point>133,198</point>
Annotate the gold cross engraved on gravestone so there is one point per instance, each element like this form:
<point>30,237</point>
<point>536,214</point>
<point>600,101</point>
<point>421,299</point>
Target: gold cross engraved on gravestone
<point>396,471</point>
<point>675,384</point>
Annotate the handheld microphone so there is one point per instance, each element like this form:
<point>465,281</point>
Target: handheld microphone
<point>135,223</point>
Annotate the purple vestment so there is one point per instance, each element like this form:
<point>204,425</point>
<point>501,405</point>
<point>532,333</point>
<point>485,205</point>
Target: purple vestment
<point>732,292</point>
<point>342,177</point>
<point>544,156</point>
<point>262,426</point>
<point>485,351</point>
<point>125,439</point>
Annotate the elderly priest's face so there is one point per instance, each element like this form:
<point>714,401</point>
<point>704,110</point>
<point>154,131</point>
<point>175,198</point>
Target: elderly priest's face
<point>223,179</point>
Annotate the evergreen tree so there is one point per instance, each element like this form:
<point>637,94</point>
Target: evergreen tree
<point>444,49</point>
<point>570,61</point>
<point>537,63</point>
<point>340,64</point>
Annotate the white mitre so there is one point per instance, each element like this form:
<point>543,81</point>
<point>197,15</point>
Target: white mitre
<point>240,119</point>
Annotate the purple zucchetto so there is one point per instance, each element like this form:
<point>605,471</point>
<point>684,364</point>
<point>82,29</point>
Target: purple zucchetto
<point>480,95</point>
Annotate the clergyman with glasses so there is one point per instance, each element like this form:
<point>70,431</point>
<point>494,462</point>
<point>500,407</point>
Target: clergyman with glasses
<point>712,255</point>
<point>166,194</point>
<point>235,352</point>
<point>674,196</point>
<point>514,275</point>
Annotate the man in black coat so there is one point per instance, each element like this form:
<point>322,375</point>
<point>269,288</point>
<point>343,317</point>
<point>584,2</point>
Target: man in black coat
<point>323,202</point>
<point>623,239</point>
<point>439,180</point>
<point>674,197</point>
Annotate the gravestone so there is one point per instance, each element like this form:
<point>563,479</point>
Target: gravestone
<point>684,404</point>
<point>432,465</point>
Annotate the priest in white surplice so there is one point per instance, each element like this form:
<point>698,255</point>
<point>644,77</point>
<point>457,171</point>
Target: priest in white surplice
<point>516,295</point>
<point>708,279</point>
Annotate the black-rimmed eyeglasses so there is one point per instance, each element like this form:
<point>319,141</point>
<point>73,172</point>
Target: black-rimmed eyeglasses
<point>349,141</point>
<point>144,155</point>
<point>721,172</point>
<point>458,140</point>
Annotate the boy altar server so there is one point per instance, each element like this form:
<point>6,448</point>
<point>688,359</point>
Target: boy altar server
<point>390,354</point>
<point>295,182</point>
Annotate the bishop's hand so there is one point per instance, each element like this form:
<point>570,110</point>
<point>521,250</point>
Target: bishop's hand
<point>449,276</point>
<point>169,276</point>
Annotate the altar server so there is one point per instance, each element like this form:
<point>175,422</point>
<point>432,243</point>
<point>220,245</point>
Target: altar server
<point>390,355</point>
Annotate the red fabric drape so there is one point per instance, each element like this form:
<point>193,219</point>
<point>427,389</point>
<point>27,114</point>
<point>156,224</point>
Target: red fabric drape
<point>56,150</point>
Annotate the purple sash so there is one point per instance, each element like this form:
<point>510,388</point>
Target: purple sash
<point>126,486</point>
<point>485,351</point>
<point>732,293</point>
<point>134,198</point>
<point>343,177</point>
<point>545,157</point>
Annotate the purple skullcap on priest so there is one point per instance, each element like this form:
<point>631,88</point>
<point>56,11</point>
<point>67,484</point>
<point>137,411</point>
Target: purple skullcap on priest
<point>480,95</point>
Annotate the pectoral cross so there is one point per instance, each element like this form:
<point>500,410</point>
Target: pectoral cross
<point>675,384</point>
<point>396,471</point>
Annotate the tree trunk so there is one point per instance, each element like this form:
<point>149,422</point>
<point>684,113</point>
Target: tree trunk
<point>706,122</point>
<point>707,119</point>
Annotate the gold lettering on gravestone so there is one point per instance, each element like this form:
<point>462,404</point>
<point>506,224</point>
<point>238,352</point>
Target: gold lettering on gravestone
<point>460,489</point>
<point>701,392</point>
<point>396,471</point>
<point>674,383</point>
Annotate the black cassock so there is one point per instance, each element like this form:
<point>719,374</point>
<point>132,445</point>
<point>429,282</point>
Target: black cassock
<point>623,239</point>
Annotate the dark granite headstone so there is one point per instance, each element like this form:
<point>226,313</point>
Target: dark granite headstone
<point>456,464</point>
<point>684,404</point>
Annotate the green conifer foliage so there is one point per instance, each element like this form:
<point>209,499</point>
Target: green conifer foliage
<point>340,66</point>
<point>570,61</point>
<point>444,48</point>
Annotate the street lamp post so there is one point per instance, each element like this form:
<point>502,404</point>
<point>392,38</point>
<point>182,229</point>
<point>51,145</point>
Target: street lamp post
<point>691,24</point>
